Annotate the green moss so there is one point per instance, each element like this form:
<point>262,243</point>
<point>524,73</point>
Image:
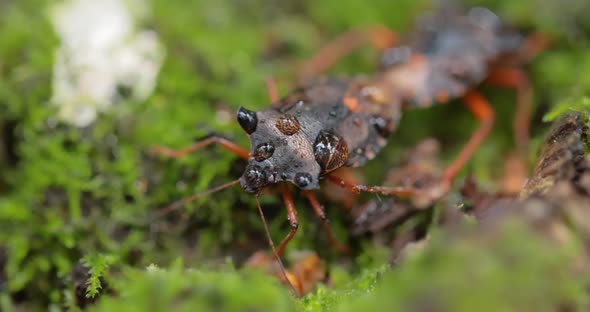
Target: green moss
<point>512,270</point>
<point>97,266</point>
<point>581,105</point>
<point>327,299</point>
<point>156,289</point>
<point>67,193</point>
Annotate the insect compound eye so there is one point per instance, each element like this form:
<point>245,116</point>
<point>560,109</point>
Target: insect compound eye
<point>264,151</point>
<point>255,178</point>
<point>247,119</point>
<point>302,179</point>
<point>330,151</point>
<point>288,124</point>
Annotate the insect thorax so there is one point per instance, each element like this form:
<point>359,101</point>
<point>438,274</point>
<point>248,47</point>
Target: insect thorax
<point>312,132</point>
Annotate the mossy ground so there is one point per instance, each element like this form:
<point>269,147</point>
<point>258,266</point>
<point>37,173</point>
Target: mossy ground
<point>68,194</point>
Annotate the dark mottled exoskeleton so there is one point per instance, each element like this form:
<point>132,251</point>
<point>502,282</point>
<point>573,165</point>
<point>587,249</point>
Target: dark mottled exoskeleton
<point>309,134</point>
<point>330,123</point>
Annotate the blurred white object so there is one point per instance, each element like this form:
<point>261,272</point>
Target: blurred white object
<point>101,54</point>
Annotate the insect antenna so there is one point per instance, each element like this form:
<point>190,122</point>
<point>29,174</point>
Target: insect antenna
<point>179,203</point>
<point>272,246</point>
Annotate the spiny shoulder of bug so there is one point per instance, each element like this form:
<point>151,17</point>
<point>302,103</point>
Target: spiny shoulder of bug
<point>308,134</point>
